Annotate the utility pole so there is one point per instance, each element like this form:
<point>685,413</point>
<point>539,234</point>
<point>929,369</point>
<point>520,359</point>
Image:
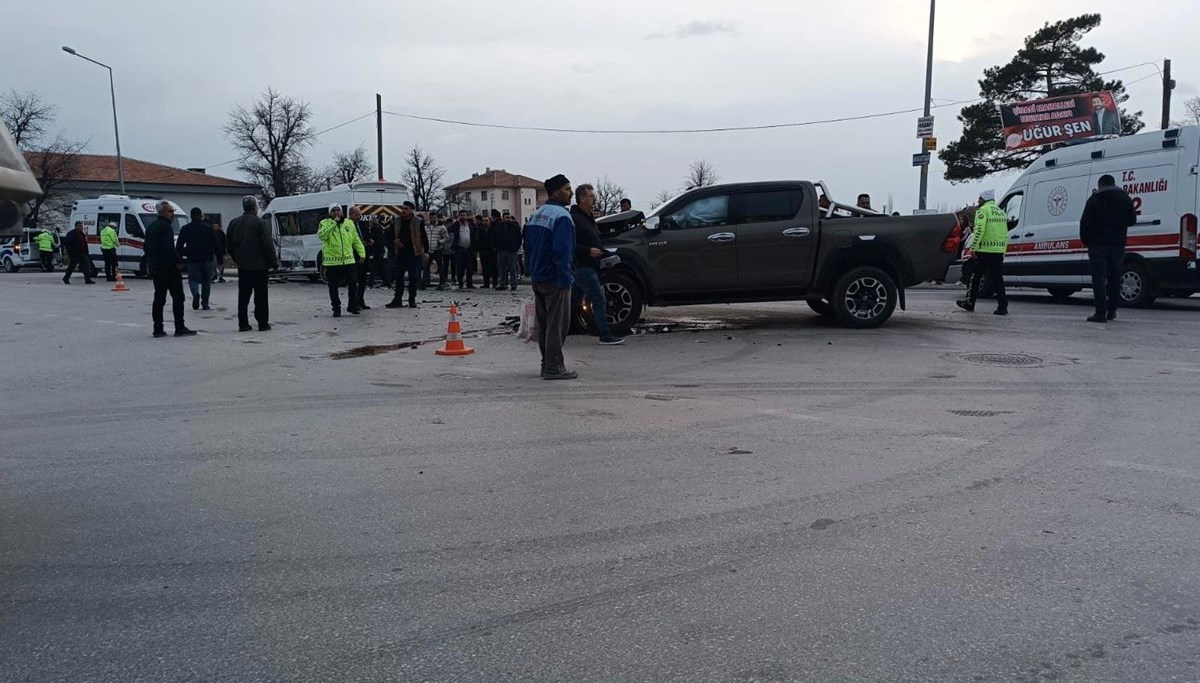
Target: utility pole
<point>1168,86</point>
<point>379,131</point>
<point>928,105</point>
<point>112,90</point>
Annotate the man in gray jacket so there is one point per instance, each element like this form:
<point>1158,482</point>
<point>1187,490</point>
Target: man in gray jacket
<point>253,250</point>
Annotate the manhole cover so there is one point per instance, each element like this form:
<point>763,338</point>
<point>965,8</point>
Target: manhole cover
<point>1002,359</point>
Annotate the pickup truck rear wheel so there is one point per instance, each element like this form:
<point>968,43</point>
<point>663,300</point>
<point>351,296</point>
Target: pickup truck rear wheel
<point>9,266</point>
<point>864,297</point>
<point>821,307</point>
<point>625,302</point>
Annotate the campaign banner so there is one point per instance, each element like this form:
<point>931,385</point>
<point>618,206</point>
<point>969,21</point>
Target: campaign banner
<point>1059,119</point>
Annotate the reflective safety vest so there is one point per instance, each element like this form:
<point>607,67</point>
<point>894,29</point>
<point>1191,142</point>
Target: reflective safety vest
<point>340,243</point>
<point>991,230</point>
<point>45,240</point>
<point>108,238</point>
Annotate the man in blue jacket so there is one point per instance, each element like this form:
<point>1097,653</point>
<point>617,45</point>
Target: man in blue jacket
<point>549,252</point>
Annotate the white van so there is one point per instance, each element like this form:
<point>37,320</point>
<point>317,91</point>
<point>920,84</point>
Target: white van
<point>294,220</point>
<point>1161,172</point>
<point>130,216</point>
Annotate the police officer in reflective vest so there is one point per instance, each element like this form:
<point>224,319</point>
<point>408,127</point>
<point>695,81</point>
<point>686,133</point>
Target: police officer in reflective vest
<point>989,241</point>
<point>108,248</point>
<point>47,244</point>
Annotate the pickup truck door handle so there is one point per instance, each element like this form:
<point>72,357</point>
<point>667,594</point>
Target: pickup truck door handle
<point>797,232</point>
<point>721,237</point>
<point>1029,234</point>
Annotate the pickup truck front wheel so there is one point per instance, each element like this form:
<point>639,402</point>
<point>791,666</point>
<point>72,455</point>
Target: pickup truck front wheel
<point>625,302</point>
<point>864,297</point>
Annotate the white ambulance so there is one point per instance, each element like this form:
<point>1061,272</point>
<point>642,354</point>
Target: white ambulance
<point>130,216</point>
<point>1161,172</point>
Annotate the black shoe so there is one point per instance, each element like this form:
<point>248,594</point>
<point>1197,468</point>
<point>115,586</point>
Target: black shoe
<point>1097,318</point>
<point>66,281</point>
<point>470,286</point>
<point>265,327</point>
<point>364,307</point>
<point>566,374</point>
<point>89,282</point>
<point>413,304</point>
<point>220,279</point>
<point>1112,315</point>
<point>611,340</point>
<point>205,307</point>
<point>245,328</point>
<point>353,311</point>
<point>501,288</point>
<point>337,314</point>
<point>970,308</point>
<point>1000,311</point>
<point>195,304</point>
<point>394,304</point>
<point>184,332</point>
<point>159,333</point>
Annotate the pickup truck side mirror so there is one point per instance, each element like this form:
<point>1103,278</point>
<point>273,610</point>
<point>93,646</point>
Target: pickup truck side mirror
<point>657,224</point>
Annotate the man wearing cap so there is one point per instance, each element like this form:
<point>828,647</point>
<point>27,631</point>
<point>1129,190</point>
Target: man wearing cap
<point>341,252</point>
<point>549,251</point>
<point>411,247</point>
<point>989,241</point>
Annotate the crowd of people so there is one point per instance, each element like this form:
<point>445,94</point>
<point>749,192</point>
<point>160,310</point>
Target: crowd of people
<point>561,244</point>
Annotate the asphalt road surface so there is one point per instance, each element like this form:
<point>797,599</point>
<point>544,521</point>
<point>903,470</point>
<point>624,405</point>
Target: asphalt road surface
<point>753,495</point>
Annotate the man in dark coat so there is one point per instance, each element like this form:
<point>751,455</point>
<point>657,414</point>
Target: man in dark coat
<point>77,252</point>
<point>164,264</point>
<point>410,246</point>
<point>1103,229</point>
<point>588,252</point>
<point>253,251</point>
<point>197,244</point>
<point>507,239</point>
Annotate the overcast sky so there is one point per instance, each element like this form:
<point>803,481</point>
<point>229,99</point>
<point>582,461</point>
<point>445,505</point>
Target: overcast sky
<point>618,64</point>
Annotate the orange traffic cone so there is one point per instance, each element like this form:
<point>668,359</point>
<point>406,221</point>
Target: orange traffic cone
<point>454,341</point>
<point>120,284</point>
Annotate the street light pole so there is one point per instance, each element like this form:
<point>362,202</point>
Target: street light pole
<point>116,130</point>
<point>928,107</point>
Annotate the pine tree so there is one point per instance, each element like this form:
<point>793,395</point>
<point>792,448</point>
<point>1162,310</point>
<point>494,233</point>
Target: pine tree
<point>1052,63</point>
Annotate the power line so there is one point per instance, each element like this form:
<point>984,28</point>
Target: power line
<point>670,131</point>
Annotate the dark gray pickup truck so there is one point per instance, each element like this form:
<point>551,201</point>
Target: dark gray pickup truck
<point>771,241</point>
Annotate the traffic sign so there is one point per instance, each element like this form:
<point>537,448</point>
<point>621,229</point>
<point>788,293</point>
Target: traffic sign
<point>930,144</point>
<point>925,127</point>
<point>921,159</point>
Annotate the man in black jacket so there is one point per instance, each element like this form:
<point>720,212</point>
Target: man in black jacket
<point>77,252</point>
<point>410,244</point>
<point>1103,229</point>
<point>164,264</point>
<point>253,251</point>
<point>507,239</point>
<point>588,251</point>
<point>197,244</point>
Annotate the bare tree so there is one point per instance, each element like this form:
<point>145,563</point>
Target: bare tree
<point>425,178</point>
<point>271,136</point>
<point>700,174</point>
<point>347,167</point>
<point>54,165</point>
<point>608,196</point>
<point>661,198</point>
<point>1192,107</point>
<point>27,116</point>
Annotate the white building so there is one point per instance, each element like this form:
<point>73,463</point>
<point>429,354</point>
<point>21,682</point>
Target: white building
<point>219,198</point>
<point>497,189</point>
